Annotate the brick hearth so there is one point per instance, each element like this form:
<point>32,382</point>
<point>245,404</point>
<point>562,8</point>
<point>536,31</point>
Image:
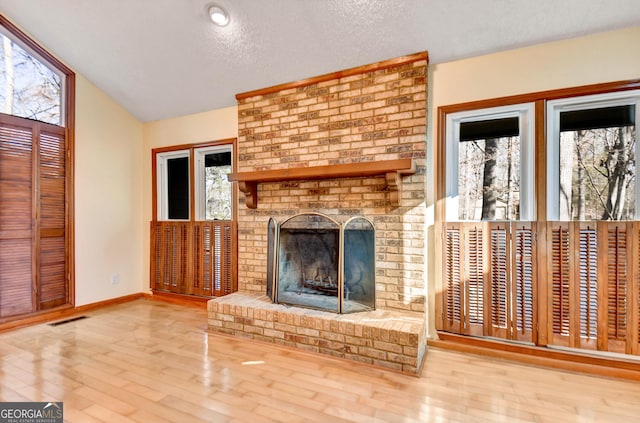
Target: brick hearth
<point>391,339</point>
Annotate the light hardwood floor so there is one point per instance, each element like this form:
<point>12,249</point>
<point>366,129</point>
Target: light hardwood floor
<point>147,361</point>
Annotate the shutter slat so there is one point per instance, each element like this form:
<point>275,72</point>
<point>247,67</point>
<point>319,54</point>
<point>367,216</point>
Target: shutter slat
<point>475,278</point>
<point>227,257</point>
<point>560,284</point>
<point>498,280</point>
<point>616,287</point>
<point>524,283</point>
<point>588,286</point>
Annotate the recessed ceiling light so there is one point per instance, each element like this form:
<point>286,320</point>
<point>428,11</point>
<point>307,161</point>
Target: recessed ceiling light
<point>218,15</point>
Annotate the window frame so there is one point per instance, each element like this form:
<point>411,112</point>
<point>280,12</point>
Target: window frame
<point>230,143</point>
<point>67,76</point>
<point>162,204</point>
<point>584,102</point>
<point>525,112</point>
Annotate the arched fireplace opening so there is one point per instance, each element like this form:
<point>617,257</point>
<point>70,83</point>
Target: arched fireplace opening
<point>317,262</point>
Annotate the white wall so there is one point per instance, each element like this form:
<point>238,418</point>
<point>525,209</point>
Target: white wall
<point>108,197</point>
<point>604,57</point>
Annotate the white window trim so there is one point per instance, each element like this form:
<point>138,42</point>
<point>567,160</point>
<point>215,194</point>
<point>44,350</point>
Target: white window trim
<point>162,199</point>
<point>554,108</point>
<point>199,185</point>
<point>525,114</point>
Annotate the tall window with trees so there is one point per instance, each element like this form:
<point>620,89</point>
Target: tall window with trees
<point>36,184</point>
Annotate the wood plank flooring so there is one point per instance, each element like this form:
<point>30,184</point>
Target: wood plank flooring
<point>148,361</point>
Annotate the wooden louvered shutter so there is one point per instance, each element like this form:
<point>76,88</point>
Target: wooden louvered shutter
<point>452,313</point>
<point>205,261</point>
<point>197,283</point>
<point>157,257</point>
<point>634,292</point>
<point>17,282</point>
<point>474,283</point>
<point>559,279</point>
<point>170,249</point>
<point>499,272</point>
<point>618,290</point>
<point>52,217</point>
<point>33,216</point>
<point>587,278</point>
<point>524,282</point>
<point>176,263</point>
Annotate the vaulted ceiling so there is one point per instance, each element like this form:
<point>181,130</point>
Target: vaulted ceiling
<point>164,58</point>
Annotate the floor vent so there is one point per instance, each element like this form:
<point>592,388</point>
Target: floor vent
<point>62,322</point>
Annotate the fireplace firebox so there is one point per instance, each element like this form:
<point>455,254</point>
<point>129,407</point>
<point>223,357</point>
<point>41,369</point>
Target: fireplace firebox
<point>316,262</point>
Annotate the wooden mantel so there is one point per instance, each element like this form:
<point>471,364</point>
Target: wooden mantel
<point>392,170</point>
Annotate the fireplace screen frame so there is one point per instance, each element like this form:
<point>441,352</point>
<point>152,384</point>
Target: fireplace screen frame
<point>368,268</point>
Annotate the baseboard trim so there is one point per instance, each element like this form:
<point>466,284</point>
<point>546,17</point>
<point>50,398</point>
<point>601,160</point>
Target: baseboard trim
<point>179,299</point>
<point>63,312</point>
<point>541,356</point>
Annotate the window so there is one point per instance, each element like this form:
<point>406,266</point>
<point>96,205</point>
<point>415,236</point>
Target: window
<point>211,189</point>
<point>214,195</point>
<point>173,185</point>
<point>592,156</point>
<point>489,173</point>
<point>29,86</point>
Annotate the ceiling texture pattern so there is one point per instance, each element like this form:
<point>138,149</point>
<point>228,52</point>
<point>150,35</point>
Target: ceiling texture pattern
<point>164,58</point>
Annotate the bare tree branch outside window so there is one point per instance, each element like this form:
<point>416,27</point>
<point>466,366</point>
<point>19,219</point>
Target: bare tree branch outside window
<point>28,88</point>
<point>597,174</point>
<point>489,179</point>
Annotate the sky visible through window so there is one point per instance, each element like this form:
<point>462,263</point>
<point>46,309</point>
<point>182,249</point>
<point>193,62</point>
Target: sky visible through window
<point>28,88</point>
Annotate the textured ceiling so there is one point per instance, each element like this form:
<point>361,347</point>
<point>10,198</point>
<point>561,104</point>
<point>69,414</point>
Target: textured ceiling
<point>164,58</point>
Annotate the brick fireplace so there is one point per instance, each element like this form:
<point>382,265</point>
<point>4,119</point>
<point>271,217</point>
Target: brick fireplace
<point>351,143</point>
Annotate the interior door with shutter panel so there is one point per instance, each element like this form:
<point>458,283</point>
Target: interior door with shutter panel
<point>52,272</point>
<point>17,281</point>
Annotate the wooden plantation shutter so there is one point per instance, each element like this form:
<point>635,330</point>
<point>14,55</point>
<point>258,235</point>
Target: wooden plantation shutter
<point>16,215</point>
<point>499,273</point>
<point>33,216</point>
<point>588,281</point>
<point>453,289</point>
<point>489,279</point>
<point>192,257</point>
<point>559,279</point>
<point>620,283</point>
<point>524,283</point>
<point>171,255</point>
<point>52,217</point>
<point>475,287</point>
<point>594,285</point>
